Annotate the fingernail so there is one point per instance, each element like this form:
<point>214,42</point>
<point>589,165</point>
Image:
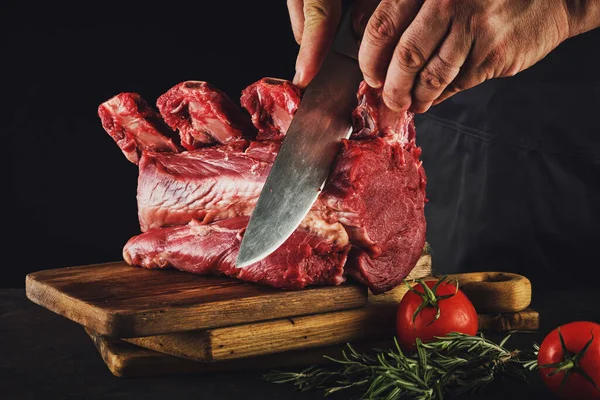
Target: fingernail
<point>297,78</point>
<point>395,105</point>
<point>420,108</point>
<point>372,82</point>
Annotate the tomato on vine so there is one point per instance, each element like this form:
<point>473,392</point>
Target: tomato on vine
<point>434,308</point>
<point>569,360</point>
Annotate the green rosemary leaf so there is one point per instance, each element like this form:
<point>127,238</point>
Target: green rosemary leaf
<point>378,387</point>
<point>437,390</point>
<point>503,342</point>
<point>530,365</point>
<point>422,356</point>
<point>345,386</point>
<point>396,393</point>
<point>449,365</point>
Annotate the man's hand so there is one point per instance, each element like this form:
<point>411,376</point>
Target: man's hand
<point>314,23</point>
<point>421,52</point>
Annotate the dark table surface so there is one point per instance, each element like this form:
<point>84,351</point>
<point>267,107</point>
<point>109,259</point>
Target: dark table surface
<point>45,356</point>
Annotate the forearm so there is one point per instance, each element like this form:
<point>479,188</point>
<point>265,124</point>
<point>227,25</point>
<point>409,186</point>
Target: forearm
<point>583,15</point>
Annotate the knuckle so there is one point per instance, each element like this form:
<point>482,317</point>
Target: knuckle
<point>438,73</point>
<point>432,78</point>
<point>513,69</point>
<point>382,26</point>
<point>316,11</point>
<point>457,85</point>
<point>409,57</point>
<point>419,107</point>
<point>447,65</point>
<point>495,58</point>
<point>394,100</point>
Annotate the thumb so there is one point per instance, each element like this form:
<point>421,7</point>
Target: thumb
<point>321,18</point>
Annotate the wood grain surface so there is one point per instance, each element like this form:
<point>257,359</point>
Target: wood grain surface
<point>373,322</point>
<point>524,320</point>
<point>496,291</point>
<point>270,337</point>
<point>115,299</point>
<point>127,360</point>
<point>287,334</point>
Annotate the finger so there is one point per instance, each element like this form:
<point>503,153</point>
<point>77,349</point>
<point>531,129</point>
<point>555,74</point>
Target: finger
<point>295,9</point>
<point>441,69</point>
<point>321,18</point>
<point>382,33</point>
<point>361,12</point>
<point>478,67</point>
<point>446,94</point>
<point>468,77</point>
<point>415,48</point>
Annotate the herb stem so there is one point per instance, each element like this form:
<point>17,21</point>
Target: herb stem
<point>450,365</point>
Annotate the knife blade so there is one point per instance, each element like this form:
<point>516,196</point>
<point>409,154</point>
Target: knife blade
<point>308,150</point>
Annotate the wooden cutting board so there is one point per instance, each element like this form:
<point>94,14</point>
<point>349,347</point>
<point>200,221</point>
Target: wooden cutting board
<point>115,299</point>
<point>175,317</point>
<point>491,291</point>
<point>527,320</point>
<point>125,359</point>
<point>374,322</point>
<point>305,333</point>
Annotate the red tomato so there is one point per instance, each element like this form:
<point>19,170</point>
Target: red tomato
<point>456,313</point>
<point>576,361</point>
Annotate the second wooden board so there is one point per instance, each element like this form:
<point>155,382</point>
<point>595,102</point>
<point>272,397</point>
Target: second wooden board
<point>127,360</point>
<point>373,322</point>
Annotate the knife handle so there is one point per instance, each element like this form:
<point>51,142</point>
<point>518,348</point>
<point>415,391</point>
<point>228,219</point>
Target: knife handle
<point>346,42</point>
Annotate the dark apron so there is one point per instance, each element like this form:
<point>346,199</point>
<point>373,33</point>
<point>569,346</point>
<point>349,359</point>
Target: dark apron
<point>513,170</point>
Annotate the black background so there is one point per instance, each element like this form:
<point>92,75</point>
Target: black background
<point>68,192</point>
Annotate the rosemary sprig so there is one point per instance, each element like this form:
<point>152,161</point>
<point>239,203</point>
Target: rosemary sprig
<point>451,365</point>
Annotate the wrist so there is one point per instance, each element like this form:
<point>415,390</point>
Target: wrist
<point>582,16</point>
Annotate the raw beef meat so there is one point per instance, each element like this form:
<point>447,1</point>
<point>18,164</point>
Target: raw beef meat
<point>193,206</point>
<point>272,103</point>
<point>135,126</point>
<point>304,259</point>
<point>207,184</point>
<point>371,119</point>
<point>202,114</point>
<point>384,217</point>
<point>207,174</point>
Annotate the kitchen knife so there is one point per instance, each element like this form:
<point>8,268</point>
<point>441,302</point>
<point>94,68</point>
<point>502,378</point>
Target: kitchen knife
<point>308,150</point>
